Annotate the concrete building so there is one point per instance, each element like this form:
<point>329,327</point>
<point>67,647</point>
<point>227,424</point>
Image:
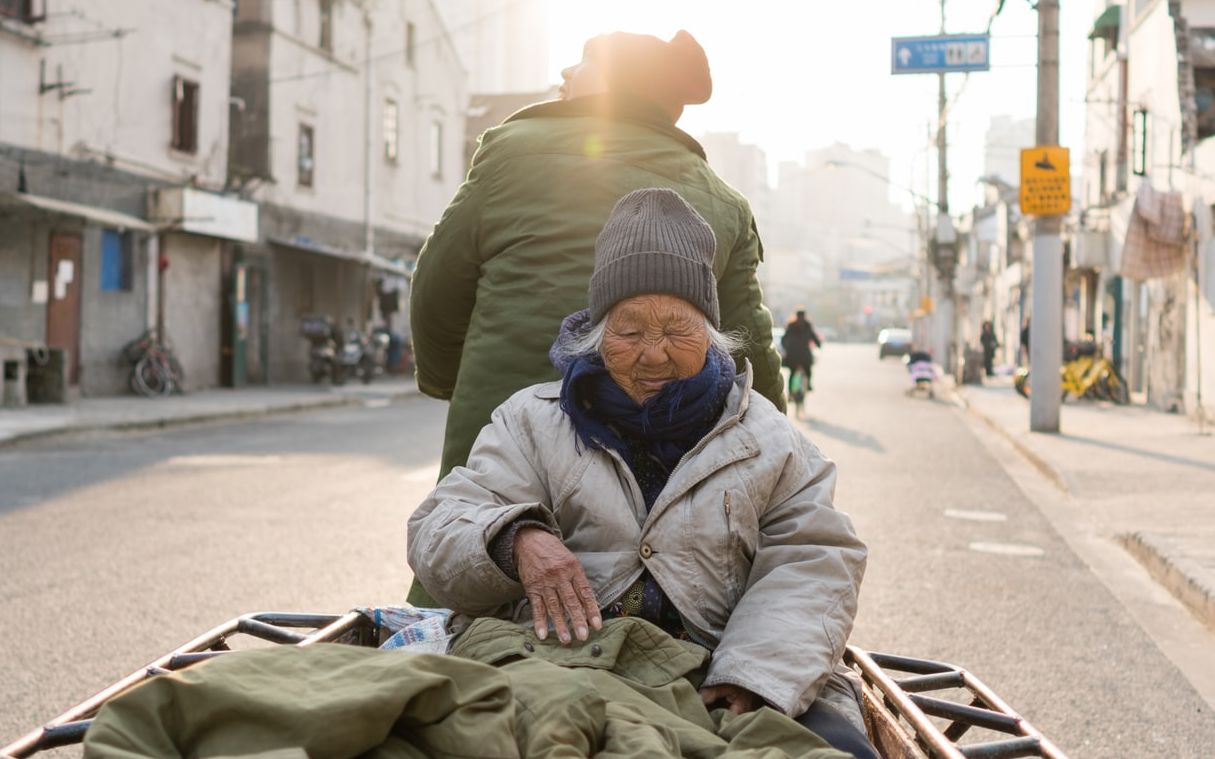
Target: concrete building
<point>745,168</point>
<point>838,245</point>
<point>992,277</point>
<point>1150,116</point>
<point>113,144</point>
<point>1002,146</point>
<point>487,111</point>
<point>348,130</point>
<point>503,43</point>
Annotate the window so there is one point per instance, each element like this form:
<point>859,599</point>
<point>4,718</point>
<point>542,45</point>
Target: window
<point>391,130</point>
<point>306,158</point>
<point>410,32</point>
<point>436,149</point>
<point>185,115</point>
<point>1103,176</point>
<point>1139,157</point>
<point>326,39</point>
<point>1202,54</point>
<point>115,260</point>
<point>28,11</point>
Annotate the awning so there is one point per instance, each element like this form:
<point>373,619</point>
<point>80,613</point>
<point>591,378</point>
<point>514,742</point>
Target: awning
<point>308,245</point>
<point>103,216</point>
<point>1110,19</point>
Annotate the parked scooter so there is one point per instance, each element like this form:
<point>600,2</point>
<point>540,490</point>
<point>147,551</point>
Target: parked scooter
<point>922,372</point>
<point>323,336</point>
<point>360,355</point>
<point>342,354</point>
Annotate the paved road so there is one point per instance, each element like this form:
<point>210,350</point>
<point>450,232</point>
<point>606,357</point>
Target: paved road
<point>117,548</point>
<point>963,567</point>
<point>114,549</point>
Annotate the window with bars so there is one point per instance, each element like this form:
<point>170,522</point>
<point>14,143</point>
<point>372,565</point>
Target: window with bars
<point>410,39</point>
<point>436,149</point>
<point>185,115</point>
<point>326,36</point>
<point>392,130</point>
<point>1139,146</point>
<point>306,159</point>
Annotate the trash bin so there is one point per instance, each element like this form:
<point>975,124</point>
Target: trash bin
<point>972,367</point>
<point>14,383</point>
<point>47,378</point>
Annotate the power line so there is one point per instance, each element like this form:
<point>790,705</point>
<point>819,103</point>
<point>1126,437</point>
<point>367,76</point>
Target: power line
<point>446,31</point>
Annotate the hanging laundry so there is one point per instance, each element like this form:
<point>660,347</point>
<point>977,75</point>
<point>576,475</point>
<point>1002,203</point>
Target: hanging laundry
<point>1156,235</point>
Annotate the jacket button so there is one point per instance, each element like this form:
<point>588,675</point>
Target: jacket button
<point>646,551</point>
<point>527,646</point>
<point>596,650</point>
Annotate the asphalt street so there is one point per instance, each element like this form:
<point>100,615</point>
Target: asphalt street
<point>115,548</point>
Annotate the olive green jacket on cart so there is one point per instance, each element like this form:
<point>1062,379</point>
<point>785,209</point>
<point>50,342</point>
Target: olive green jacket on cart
<point>628,692</point>
<point>514,251</point>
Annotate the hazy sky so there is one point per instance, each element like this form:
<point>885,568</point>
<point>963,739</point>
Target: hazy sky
<point>793,75</point>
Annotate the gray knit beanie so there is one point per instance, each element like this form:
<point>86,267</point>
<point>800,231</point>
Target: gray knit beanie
<point>654,242</point>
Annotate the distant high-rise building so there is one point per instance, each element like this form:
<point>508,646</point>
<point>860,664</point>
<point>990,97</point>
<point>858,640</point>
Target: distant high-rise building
<point>503,44</point>
<point>744,167</point>
<point>1002,152</point>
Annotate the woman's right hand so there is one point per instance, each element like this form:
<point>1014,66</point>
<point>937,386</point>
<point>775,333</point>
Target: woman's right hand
<point>555,584</point>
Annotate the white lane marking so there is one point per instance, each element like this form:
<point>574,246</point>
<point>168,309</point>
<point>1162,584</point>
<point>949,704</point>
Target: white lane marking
<point>377,403</point>
<point>976,515</point>
<point>427,474</point>
<point>222,460</point>
<point>1008,549</point>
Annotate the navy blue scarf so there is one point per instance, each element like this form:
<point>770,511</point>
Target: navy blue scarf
<point>665,427</point>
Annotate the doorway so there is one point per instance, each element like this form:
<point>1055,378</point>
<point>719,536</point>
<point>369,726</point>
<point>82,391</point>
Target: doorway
<point>63,305</point>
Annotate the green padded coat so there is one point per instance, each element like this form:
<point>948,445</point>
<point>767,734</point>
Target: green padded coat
<point>513,253</point>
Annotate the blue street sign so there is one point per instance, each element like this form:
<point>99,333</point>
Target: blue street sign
<point>942,54</point>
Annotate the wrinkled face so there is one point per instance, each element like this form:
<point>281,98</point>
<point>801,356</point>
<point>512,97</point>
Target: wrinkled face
<point>581,79</point>
<point>651,340</point>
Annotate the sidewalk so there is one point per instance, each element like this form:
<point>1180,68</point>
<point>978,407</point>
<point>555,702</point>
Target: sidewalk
<point>1143,478</point>
<point>133,412</point>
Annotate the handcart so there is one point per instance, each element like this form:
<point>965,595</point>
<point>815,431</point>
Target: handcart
<point>914,708</point>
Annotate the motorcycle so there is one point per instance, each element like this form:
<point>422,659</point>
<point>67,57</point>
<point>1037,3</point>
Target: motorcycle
<point>339,354</point>
<point>322,335</point>
<point>361,356</point>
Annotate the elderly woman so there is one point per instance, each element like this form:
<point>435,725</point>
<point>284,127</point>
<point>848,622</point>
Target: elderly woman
<point>652,481</point>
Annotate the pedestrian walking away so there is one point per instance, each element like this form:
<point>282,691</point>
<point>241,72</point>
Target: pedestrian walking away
<point>799,334</point>
<point>987,338</point>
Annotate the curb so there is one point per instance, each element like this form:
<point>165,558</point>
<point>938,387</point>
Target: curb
<point>1044,467</point>
<point>1172,575</point>
<point>166,422</point>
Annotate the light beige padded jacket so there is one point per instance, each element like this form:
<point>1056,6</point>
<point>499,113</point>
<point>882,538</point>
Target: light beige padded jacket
<point>743,539</point>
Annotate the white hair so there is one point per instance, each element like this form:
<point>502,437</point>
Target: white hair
<point>591,341</point>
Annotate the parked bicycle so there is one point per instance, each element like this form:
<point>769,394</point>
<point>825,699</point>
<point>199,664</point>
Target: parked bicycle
<point>1085,374</point>
<point>155,371</point>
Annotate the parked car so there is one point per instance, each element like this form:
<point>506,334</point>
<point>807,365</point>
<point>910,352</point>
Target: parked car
<point>894,341</point>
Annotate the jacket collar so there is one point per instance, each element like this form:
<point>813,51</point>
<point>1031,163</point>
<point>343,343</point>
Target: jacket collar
<point>612,106</point>
<point>736,403</point>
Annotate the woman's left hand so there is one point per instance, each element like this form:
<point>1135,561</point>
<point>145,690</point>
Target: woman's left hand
<point>737,699</point>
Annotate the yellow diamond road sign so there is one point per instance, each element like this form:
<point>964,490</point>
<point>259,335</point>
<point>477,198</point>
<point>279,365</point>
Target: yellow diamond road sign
<point>1045,181</point>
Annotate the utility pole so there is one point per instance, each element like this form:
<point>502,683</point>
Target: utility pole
<point>945,236</point>
<point>1046,327</point>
